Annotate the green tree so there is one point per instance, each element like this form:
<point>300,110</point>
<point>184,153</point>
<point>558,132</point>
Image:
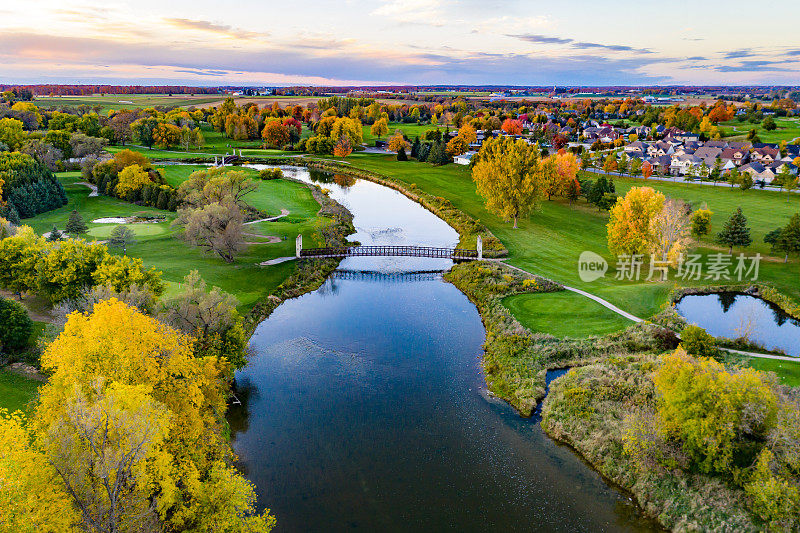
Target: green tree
<point>16,326</point>
<point>735,231</point>
<point>210,316</point>
<point>122,237</point>
<point>76,226</point>
<point>745,181</point>
<point>769,124</point>
<point>788,240</point>
<point>55,234</point>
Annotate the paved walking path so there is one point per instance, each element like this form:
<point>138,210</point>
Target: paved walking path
<point>93,188</point>
<point>284,212</point>
<point>612,307</point>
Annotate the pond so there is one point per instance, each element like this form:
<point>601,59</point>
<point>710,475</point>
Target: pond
<point>733,315</point>
<point>364,405</point>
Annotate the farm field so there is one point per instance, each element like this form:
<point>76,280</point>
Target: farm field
<point>127,101</point>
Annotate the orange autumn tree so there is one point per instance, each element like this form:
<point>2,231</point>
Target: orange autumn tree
<point>397,141</point>
<point>512,126</point>
<point>343,147</point>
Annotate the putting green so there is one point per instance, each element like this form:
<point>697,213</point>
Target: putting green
<point>103,231</point>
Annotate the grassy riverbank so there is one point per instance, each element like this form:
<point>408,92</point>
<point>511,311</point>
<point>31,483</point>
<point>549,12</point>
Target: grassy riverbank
<point>16,391</point>
<point>158,246</point>
<point>515,359</point>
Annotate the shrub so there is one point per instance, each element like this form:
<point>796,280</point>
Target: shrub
<point>15,325</point>
<point>696,341</point>
<point>270,174</point>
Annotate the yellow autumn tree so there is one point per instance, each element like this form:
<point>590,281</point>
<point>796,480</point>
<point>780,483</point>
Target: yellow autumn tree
<point>507,177</point>
<point>670,230</point>
<point>629,229</point>
<point>380,128</point>
<point>397,141</point>
<point>32,498</point>
<point>131,179</point>
<point>126,380</point>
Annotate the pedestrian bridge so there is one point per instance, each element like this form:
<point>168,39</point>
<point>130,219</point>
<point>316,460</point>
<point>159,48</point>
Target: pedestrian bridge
<point>390,251</point>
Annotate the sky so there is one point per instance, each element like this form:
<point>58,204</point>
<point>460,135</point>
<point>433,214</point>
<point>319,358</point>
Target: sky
<point>386,42</point>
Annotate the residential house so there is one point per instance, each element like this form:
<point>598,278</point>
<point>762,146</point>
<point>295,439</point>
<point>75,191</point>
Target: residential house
<point>766,155</point>
<point>681,165</point>
<point>464,158</point>
<point>737,156</point>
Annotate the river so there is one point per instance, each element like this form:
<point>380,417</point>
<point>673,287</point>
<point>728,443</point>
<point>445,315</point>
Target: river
<point>364,406</point>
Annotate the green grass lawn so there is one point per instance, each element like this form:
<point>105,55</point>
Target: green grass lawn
<point>564,314</point>
<point>788,129</point>
<point>410,130</point>
<point>16,391</point>
<point>158,246</point>
<point>788,371</point>
<point>549,242</point>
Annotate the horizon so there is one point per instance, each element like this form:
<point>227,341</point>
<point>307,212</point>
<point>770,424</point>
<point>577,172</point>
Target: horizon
<point>399,43</point>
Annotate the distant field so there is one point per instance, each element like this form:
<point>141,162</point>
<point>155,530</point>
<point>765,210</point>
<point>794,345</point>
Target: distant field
<point>126,101</point>
<point>788,130</point>
<point>410,130</point>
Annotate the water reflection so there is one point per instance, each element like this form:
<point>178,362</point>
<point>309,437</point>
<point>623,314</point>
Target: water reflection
<point>733,316</point>
<point>364,406</point>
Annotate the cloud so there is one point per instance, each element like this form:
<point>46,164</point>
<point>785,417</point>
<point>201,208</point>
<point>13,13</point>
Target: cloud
<point>793,53</point>
<point>543,39</point>
<point>612,47</point>
<point>697,58</point>
<point>33,54</point>
<point>206,26</point>
<point>413,11</point>
<point>755,66</point>
<point>693,39</point>
<point>737,54</point>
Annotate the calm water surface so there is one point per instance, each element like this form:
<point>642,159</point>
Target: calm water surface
<point>734,315</point>
<point>364,407</point>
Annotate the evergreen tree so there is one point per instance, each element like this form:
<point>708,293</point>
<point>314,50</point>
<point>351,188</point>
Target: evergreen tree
<point>55,234</point>
<point>424,150</point>
<point>435,155</point>
<point>415,148</point>
<point>789,239</point>
<point>401,154</point>
<point>75,224</point>
<point>735,231</point>
<point>122,237</point>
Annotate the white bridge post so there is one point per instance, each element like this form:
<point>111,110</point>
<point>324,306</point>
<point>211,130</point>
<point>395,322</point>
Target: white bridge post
<point>298,245</point>
<point>480,248</point>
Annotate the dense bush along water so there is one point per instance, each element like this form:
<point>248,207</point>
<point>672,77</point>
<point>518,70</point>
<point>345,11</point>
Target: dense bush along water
<point>364,407</point>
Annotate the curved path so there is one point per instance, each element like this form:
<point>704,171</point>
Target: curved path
<point>614,308</point>
<point>93,191</point>
<point>284,212</point>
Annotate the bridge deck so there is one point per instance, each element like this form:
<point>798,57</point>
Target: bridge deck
<point>390,251</point>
